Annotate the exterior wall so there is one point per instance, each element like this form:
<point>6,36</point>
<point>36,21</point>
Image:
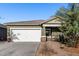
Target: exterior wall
<point>3,34</point>
<point>43,32</point>
<point>43,37</point>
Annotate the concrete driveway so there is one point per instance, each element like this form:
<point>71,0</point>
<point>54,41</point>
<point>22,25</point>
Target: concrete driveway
<point>18,49</point>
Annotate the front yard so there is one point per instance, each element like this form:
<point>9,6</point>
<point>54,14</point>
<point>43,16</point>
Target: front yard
<point>53,48</point>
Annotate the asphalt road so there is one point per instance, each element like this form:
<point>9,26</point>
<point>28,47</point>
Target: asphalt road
<point>18,49</point>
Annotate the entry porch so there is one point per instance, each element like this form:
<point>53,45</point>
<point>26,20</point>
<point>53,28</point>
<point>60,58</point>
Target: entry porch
<point>50,32</point>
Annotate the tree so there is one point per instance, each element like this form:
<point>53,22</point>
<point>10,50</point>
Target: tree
<point>70,23</point>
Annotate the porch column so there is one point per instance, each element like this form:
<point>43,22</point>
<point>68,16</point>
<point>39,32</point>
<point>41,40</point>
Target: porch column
<point>43,34</point>
<point>8,34</point>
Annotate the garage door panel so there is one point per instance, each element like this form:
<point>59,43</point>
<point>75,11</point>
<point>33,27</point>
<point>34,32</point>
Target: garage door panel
<point>26,35</point>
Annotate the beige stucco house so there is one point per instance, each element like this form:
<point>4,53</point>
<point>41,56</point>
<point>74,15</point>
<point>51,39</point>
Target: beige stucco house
<point>33,31</point>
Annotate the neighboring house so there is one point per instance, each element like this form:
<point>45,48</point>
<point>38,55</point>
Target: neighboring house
<point>3,33</point>
<point>33,31</point>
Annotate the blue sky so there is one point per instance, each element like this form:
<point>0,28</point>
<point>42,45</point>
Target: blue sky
<point>11,12</point>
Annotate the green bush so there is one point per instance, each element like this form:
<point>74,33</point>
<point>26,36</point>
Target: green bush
<point>68,41</point>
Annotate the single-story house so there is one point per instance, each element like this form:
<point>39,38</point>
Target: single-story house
<point>33,31</point>
<point>3,33</point>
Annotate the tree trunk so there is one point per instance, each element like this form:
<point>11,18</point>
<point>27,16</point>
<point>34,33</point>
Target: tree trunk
<point>76,43</point>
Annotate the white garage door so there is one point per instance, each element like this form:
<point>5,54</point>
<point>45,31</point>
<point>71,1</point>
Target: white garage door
<point>25,35</point>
